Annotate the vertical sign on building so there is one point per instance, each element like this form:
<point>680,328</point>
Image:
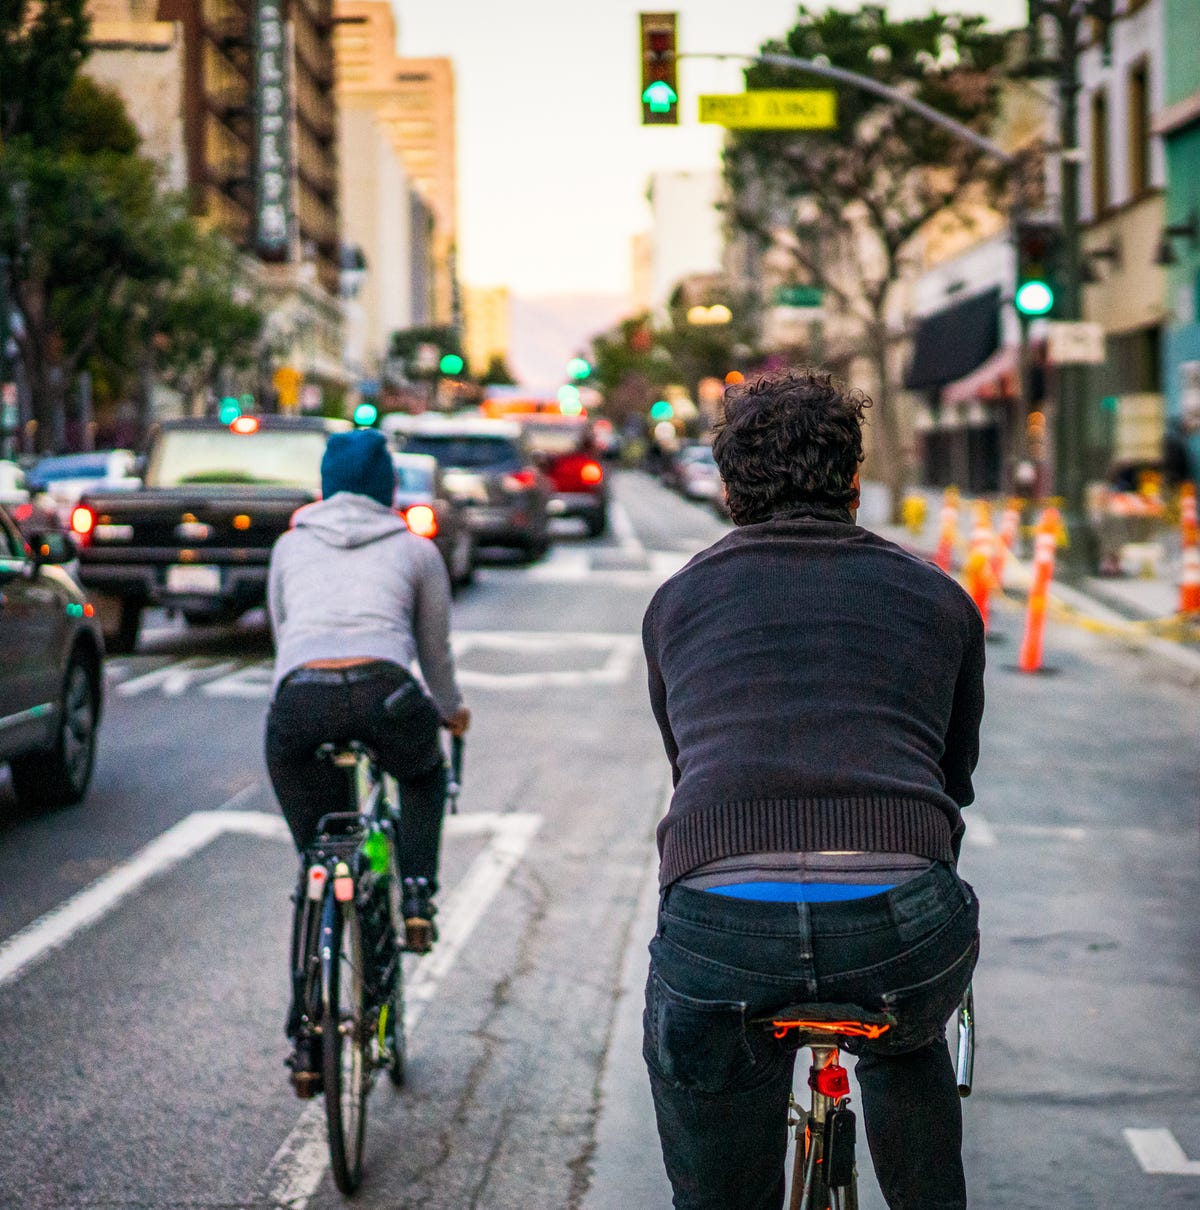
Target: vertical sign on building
<point>273,167</point>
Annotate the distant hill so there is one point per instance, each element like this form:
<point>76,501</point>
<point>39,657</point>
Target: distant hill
<point>548,330</point>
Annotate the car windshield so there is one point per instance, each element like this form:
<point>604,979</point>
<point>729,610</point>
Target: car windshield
<point>458,449</point>
<point>414,477</point>
<point>51,470</point>
<point>269,457</point>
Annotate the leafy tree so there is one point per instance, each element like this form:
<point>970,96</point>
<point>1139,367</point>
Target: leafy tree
<point>42,44</point>
<point>85,230</point>
<point>846,205</point>
<point>498,373</point>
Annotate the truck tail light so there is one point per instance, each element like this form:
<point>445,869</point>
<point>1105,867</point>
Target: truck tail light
<point>591,472</point>
<point>519,481</point>
<point>83,521</point>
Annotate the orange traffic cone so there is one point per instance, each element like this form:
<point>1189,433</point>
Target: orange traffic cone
<point>949,532</point>
<point>1039,591</point>
<point>977,571</point>
<point>1010,523</point>
<point>1189,585</point>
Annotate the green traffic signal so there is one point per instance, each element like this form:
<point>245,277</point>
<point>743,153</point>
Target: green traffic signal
<point>451,363</point>
<point>1034,298</point>
<point>365,414</point>
<point>660,96</point>
<point>578,368</point>
<point>661,410</point>
<point>230,410</point>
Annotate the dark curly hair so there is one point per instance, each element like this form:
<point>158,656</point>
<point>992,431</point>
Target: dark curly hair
<point>789,439</point>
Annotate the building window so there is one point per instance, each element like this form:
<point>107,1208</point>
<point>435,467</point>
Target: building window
<point>1100,194</point>
<point>1139,130</point>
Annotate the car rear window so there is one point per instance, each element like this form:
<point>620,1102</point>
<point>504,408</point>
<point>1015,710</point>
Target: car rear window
<point>469,453</point>
<point>554,439</point>
<point>414,478</point>
<point>268,458</point>
<point>50,470</point>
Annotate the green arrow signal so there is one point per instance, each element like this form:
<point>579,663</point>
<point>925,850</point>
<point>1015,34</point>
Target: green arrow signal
<point>660,96</point>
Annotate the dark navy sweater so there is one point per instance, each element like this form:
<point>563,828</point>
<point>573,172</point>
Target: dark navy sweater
<point>817,688</point>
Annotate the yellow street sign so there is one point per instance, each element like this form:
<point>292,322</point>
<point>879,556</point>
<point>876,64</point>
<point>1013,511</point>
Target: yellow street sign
<point>772,109</point>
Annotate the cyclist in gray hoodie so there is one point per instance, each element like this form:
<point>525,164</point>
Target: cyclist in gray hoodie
<point>355,600</point>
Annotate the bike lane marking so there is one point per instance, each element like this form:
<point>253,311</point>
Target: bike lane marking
<point>1159,1152</point>
<point>299,1165</point>
<point>56,927</point>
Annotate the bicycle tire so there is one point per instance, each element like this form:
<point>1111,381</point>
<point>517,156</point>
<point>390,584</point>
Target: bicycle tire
<point>394,1034</point>
<point>344,1049</point>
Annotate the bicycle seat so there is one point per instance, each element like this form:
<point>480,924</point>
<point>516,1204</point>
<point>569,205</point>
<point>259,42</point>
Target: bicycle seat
<point>824,1024</point>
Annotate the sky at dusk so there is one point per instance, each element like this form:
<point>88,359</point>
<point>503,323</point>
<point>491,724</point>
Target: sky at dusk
<point>552,158</point>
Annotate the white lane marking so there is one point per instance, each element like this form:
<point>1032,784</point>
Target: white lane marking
<point>984,835</point>
<point>979,833</point>
<point>175,678</point>
<point>622,529</point>
<point>60,924</point>
<point>621,650</point>
<point>300,1163</point>
<point>562,566</point>
<point>1158,1151</point>
<point>250,680</point>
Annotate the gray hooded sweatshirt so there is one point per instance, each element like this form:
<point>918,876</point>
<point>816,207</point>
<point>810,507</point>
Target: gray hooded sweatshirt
<point>349,579</point>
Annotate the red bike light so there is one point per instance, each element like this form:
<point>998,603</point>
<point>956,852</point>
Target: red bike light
<point>422,520</point>
<point>832,1081</point>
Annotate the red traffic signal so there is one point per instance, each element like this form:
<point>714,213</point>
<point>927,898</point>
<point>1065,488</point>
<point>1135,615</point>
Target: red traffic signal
<point>660,83</point>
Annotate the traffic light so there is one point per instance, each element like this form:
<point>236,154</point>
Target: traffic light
<point>366,414</point>
<point>451,363</point>
<point>660,85</point>
<point>229,410</point>
<point>578,369</point>
<point>661,409</point>
<point>1039,247</point>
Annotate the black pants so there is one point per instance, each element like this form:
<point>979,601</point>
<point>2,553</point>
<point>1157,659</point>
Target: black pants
<point>318,706</point>
<point>720,1085</point>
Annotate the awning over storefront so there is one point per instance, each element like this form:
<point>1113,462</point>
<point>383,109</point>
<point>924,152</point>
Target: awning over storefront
<point>950,344</point>
<point>997,378</point>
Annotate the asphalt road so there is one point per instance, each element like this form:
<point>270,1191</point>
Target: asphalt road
<point>143,934</point>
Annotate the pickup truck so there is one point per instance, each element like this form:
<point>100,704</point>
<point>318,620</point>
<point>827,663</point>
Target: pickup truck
<point>197,535</point>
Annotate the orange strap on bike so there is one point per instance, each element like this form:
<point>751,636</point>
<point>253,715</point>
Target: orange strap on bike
<point>848,1029</point>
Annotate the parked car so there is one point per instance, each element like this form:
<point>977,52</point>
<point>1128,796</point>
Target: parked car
<point>51,684</point>
<point>565,448</point>
<point>63,478</point>
<point>487,468</point>
<point>429,511</point>
<point>695,474</point>
<point>32,513</point>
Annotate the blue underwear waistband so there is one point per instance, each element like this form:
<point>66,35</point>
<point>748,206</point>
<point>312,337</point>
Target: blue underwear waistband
<point>799,892</point>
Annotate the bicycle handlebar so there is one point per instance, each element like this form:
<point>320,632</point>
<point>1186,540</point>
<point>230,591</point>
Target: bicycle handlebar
<point>454,782</point>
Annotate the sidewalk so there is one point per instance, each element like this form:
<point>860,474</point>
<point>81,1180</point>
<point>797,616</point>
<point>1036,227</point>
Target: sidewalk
<point>1112,601</point>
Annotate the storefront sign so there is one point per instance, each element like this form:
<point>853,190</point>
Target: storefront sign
<point>272,133</point>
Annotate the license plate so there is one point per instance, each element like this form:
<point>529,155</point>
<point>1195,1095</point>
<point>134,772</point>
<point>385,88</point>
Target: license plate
<point>185,579</point>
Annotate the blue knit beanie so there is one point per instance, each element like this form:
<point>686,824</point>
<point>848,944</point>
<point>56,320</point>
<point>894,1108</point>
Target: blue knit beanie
<point>358,462</point>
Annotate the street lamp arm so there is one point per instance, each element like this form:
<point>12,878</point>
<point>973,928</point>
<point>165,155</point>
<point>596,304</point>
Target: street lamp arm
<point>891,94</point>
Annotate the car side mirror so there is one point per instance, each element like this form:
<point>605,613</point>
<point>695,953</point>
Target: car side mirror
<point>51,547</point>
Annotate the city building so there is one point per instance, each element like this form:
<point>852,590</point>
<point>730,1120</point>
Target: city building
<point>383,224</point>
<point>487,326</point>
<point>1123,210</point>
<point>686,234</point>
<point>413,100</point>
<point>1178,124</point>
<point>237,104</point>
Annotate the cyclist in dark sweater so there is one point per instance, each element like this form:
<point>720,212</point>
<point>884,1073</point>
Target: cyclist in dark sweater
<point>819,692</point>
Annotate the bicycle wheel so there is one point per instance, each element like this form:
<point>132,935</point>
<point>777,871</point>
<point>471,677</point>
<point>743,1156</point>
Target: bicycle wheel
<point>392,1029</point>
<point>345,1042</point>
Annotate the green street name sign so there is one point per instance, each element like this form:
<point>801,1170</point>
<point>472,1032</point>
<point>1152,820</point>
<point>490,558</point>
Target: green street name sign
<point>799,296</point>
<point>772,109</point>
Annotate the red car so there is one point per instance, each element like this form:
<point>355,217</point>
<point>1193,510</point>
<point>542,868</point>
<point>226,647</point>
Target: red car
<point>565,448</point>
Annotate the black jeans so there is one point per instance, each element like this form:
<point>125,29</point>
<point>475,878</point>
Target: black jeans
<point>721,1086</point>
<point>335,706</point>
